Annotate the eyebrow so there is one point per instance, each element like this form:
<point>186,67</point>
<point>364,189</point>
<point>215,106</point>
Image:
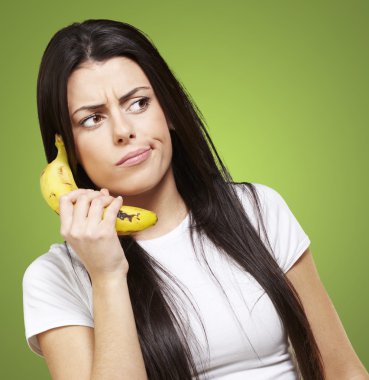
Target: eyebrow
<point>121,99</point>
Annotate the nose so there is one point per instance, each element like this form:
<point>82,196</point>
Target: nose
<point>122,129</point>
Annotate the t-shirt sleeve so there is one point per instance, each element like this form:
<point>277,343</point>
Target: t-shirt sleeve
<point>51,298</point>
<point>286,235</point>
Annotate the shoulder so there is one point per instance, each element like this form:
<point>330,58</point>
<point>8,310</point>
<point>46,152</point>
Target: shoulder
<point>264,195</point>
<point>262,189</point>
<point>56,264</point>
<point>56,293</point>
<point>55,257</point>
<point>283,232</point>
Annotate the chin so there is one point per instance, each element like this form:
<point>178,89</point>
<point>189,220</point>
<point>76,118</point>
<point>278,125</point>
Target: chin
<point>133,191</point>
<point>143,183</point>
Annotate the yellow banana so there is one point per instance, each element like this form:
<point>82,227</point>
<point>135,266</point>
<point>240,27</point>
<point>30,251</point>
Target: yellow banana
<point>57,179</point>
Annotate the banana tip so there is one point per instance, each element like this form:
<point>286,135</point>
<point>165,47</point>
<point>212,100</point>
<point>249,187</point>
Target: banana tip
<point>58,139</point>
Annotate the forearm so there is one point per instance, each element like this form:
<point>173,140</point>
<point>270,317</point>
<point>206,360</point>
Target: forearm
<point>117,352</point>
<point>363,376</point>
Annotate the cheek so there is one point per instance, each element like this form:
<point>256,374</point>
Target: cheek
<point>166,142</point>
<point>160,138</point>
<point>86,155</point>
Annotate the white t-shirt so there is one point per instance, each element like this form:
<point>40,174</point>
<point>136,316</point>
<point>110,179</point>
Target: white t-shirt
<point>250,344</point>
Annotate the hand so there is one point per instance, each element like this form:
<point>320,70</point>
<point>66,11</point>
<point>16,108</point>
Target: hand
<point>94,239</point>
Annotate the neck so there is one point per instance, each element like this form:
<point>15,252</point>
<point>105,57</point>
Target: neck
<point>165,200</point>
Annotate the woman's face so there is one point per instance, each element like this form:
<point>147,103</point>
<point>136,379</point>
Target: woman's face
<point>117,125</point>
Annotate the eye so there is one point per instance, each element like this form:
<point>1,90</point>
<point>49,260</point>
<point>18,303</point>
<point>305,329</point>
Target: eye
<point>94,116</point>
<point>144,100</point>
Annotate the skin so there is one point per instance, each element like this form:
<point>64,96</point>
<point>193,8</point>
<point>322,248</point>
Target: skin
<point>121,127</point>
<point>339,357</point>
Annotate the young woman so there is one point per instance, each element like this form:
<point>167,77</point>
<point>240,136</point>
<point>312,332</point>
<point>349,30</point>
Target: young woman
<point>223,286</point>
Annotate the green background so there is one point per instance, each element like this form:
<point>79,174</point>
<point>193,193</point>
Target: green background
<point>283,86</point>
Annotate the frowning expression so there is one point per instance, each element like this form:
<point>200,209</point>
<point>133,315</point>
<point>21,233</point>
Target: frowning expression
<point>114,112</point>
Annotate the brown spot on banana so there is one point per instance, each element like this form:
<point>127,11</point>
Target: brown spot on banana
<point>122,215</point>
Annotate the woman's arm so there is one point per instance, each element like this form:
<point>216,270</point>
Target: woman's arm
<point>339,358</point>
<point>117,352</point>
<point>110,350</point>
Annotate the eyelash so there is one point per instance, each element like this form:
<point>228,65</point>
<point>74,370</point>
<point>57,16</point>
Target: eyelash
<point>146,99</point>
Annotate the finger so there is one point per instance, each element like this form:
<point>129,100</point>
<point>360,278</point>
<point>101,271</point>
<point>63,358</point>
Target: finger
<point>66,214</point>
<point>105,191</point>
<point>111,211</point>
<point>81,208</point>
<point>73,195</point>
<point>66,202</point>
<point>96,210</point>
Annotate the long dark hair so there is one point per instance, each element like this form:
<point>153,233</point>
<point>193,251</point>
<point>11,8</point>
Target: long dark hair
<point>203,182</point>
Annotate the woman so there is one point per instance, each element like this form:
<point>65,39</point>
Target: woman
<point>162,303</point>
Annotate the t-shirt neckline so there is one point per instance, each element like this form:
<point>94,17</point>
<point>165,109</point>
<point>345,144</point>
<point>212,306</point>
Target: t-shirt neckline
<point>169,235</point>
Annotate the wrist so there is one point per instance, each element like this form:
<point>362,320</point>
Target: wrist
<point>109,280</point>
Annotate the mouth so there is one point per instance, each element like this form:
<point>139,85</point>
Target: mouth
<point>139,157</point>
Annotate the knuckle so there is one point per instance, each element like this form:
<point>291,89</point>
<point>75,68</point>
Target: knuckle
<point>94,194</point>
<point>90,234</point>
<point>101,235</point>
<point>97,200</point>
<point>75,235</point>
<point>83,198</point>
<point>74,191</point>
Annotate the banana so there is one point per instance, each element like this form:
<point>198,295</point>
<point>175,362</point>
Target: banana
<point>57,179</point>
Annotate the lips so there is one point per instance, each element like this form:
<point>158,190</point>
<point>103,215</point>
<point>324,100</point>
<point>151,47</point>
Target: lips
<point>132,154</point>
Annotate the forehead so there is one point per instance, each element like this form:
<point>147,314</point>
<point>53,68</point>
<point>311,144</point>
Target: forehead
<point>92,81</point>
